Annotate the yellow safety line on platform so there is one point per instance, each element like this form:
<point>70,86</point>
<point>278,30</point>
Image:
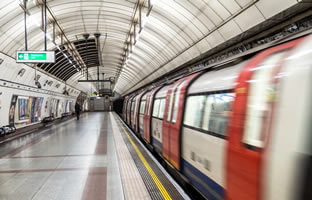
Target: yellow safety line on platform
<point>160,186</point>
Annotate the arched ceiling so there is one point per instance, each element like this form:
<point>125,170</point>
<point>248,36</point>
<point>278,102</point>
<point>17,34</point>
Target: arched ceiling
<point>171,32</point>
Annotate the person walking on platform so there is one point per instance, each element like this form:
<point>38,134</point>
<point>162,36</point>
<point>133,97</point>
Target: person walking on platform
<point>77,110</point>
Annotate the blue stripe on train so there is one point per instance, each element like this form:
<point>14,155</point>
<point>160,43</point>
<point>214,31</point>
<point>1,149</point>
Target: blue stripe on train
<point>157,145</point>
<point>204,184</point>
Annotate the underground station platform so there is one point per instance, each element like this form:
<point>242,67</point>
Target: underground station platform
<point>94,158</point>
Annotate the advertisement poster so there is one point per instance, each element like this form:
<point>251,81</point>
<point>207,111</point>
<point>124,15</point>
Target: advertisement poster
<point>39,108</point>
<point>46,107</point>
<point>51,107</point>
<point>22,108</point>
<point>36,108</point>
<point>66,107</point>
<point>69,106</point>
<point>12,110</point>
<point>29,107</point>
<point>33,105</point>
<point>56,107</point>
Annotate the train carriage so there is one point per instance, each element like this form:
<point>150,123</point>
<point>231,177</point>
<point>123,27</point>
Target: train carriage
<point>147,119</point>
<point>136,114</point>
<point>159,102</point>
<point>238,132</point>
<point>132,110</point>
<point>143,112</point>
<point>129,108</point>
<point>257,89</point>
<point>204,130</point>
<point>124,108</point>
<point>173,119</point>
<point>287,173</point>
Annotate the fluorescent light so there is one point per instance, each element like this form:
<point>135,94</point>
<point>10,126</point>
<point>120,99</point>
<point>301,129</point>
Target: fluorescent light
<point>152,2</point>
<point>145,21</point>
<point>137,36</point>
<point>49,36</point>
<point>33,21</point>
<point>20,2</point>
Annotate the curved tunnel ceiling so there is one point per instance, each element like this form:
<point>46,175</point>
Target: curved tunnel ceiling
<point>171,32</point>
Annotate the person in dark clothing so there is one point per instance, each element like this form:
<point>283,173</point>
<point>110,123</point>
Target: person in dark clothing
<point>77,110</point>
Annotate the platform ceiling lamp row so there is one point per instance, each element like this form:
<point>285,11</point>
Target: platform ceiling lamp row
<point>139,20</point>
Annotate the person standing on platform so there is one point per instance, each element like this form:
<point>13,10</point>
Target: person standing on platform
<point>77,110</point>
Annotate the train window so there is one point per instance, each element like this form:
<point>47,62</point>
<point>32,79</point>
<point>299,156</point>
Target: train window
<point>147,106</point>
<point>216,113</point>
<point>142,107</point>
<point>176,102</point>
<point>156,108</point>
<point>194,110</point>
<point>150,103</point>
<point>136,109</point>
<point>170,103</point>
<point>261,90</point>
<point>132,106</point>
<point>129,106</point>
<point>136,106</point>
<point>162,108</point>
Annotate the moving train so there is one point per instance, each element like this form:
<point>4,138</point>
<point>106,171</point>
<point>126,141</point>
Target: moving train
<point>240,132</point>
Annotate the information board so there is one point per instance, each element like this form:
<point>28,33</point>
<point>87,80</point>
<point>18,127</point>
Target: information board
<point>35,57</point>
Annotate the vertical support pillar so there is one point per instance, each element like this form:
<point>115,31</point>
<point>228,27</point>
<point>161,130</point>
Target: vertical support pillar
<point>134,33</point>
<point>54,34</point>
<point>131,42</point>
<point>42,17</point>
<point>150,6</point>
<point>45,25</point>
<point>25,24</point>
<point>86,36</point>
<point>97,36</point>
<point>140,19</point>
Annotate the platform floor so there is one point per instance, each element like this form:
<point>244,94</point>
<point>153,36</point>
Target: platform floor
<point>93,158</point>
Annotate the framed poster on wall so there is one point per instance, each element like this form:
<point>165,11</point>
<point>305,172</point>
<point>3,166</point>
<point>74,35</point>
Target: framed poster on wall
<point>40,108</point>
<point>23,108</point>
<point>33,105</point>
<point>29,108</point>
<point>12,110</point>
<point>56,108</point>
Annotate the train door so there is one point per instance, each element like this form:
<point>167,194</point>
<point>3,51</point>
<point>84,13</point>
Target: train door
<point>173,120</point>
<point>137,113</point>
<point>132,111</point>
<point>146,120</point>
<point>250,127</point>
<point>148,115</point>
<point>129,110</point>
<point>124,109</point>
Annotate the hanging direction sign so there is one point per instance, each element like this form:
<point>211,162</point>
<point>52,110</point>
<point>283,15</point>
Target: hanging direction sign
<point>35,57</point>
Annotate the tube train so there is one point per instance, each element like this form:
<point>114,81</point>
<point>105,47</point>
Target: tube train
<point>241,132</point>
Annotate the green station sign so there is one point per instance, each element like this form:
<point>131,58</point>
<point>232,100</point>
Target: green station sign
<point>35,57</point>
<point>32,56</point>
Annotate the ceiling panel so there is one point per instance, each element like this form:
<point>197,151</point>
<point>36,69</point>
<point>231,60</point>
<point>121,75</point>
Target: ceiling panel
<point>173,33</point>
